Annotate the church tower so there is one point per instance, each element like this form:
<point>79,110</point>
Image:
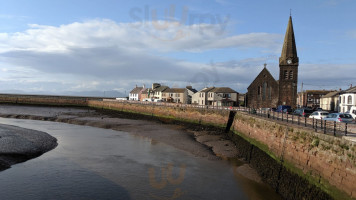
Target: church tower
<point>288,65</point>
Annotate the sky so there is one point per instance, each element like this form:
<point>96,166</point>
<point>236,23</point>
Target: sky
<point>67,47</point>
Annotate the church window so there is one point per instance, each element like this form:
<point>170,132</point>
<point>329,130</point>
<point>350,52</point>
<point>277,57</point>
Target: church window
<point>259,90</point>
<point>285,74</point>
<point>349,99</point>
<point>270,93</point>
<point>264,91</point>
<point>290,74</point>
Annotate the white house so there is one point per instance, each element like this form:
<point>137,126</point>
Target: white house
<point>135,93</point>
<point>200,98</point>
<point>347,99</point>
<point>223,96</point>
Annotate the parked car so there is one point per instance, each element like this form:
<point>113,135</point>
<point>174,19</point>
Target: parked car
<point>288,110</point>
<point>353,112</point>
<point>339,117</point>
<point>304,112</point>
<point>280,108</point>
<point>319,114</point>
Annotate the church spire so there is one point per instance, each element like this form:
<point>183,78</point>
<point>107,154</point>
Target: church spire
<point>289,50</point>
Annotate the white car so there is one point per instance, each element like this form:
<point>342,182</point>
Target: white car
<point>319,115</point>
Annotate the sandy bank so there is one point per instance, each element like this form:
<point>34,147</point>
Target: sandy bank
<point>19,144</point>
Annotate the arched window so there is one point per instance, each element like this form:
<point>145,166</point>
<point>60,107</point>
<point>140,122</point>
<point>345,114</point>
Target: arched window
<point>285,74</point>
<point>349,99</point>
<point>270,93</point>
<point>259,90</point>
<point>290,74</point>
<point>264,91</point>
<point>343,99</point>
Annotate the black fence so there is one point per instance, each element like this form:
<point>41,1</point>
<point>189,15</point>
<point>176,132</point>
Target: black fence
<point>318,125</point>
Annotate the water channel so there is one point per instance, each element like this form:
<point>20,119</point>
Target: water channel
<point>94,163</point>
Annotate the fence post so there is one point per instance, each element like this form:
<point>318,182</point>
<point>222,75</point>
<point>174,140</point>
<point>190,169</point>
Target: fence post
<point>292,118</point>
<point>346,129</point>
<point>324,126</point>
<point>334,128</point>
<point>313,122</point>
<point>282,116</point>
<point>287,117</point>
<point>316,125</point>
<point>305,121</point>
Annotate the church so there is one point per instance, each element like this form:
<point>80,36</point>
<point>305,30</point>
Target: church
<point>265,91</point>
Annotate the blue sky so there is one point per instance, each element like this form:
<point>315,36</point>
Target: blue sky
<point>58,47</point>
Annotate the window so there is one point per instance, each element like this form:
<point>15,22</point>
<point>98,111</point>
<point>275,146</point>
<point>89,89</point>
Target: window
<point>270,93</point>
<point>285,74</point>
<point>227,95</point>
<point>343,99</point>
<point>290,74</point>
<point>349,99</point>
<point>264,91</point>
<point>259,90</point>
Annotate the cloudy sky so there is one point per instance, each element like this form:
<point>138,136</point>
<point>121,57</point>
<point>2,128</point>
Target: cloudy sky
<point>68,46</point>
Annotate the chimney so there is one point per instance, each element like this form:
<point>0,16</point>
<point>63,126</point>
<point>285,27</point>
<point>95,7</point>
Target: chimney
<point>144,85</point>
<point>136,85</point>
<point>189,87</point>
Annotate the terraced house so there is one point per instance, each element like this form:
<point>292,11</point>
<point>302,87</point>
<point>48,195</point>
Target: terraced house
<point>175,95</point>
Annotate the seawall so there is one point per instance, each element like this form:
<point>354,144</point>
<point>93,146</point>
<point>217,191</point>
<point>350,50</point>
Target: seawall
<point>326,162</point>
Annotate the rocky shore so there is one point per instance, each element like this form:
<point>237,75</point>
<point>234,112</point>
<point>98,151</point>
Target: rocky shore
<point>19,144</point>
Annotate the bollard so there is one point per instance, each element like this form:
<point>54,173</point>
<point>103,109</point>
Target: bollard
<point>316,125</point>
<point>334,128</point>
<point>324,126</point>
<point>298,119</point>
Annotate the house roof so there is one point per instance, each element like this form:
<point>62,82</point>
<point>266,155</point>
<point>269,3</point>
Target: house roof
<point>136,90</point>
<point>223,90</point>
<point>318,91</point>
<point>161,88</point>
<point>331,94</point>
<point>193,90</point>
<point>351,90</point>
<point>175,90</point>
<point>207,89</point>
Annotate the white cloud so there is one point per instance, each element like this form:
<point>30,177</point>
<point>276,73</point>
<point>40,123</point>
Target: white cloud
<point>103,55</point>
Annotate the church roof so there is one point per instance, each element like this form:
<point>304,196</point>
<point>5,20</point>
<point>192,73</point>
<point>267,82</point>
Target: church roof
<point>289,49</point>
<point>263,72</point>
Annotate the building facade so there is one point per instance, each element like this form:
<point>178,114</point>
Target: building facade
<point>265,91</point>
<point>222,96</point>
<point>347,99</point>
<point>330,101</point>
<point>311,98</point>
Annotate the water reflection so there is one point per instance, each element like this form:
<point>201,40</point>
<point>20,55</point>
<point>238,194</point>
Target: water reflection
<point>93,163</point>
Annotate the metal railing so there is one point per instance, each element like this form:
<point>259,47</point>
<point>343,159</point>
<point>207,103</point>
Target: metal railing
<point>321,126</point>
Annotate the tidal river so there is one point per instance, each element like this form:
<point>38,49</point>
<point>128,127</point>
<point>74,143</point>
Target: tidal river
<point>95,163</point>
